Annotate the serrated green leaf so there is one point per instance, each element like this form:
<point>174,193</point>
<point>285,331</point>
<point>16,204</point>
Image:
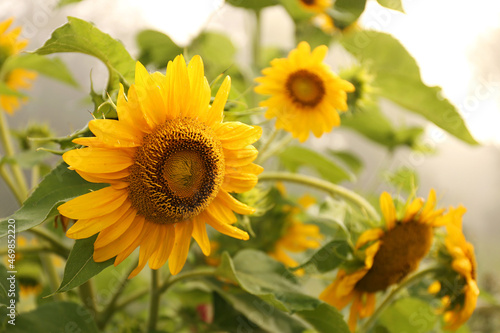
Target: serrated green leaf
<point>252,4</point>
<point>57,187</point>
<point>409,315</point>
<point>397,77</point>
<point>329,257</point>
<point>80,36</point>
<point>325,319</point>
<point>58,317</point>
<point>374,125</point>
<point>392,4</point>
<point>81,266</point>
<point>5,90</point>
<point>156,48</point>
<point>50,67</point>
<point>295,157</point>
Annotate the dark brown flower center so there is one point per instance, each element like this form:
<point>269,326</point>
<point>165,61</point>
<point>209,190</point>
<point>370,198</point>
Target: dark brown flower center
<point>308,2</point>
<point>305,88</point>
<point>400,252</point>
<point>177,171</point>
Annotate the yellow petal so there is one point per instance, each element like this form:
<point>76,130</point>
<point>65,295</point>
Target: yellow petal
<point>165,246</point>
<point>218,210</point>
<point>224,228</point>
<point>200,235</point>
<point>200,90</point>
<point>150,95</point>
<point>148,246</point>
<point>111,233</point>
<point>236,135</point>
<point>114,133</point>
<point>178,87</point>
<point>101,203</point>
<point>216,111</point>
<point>388,210</point>
<point>234,204</point>
<point>240,157</point>
<point>413,209</point>
<point>183,232</point>
<point>139,220</point>
<point>369,235</point>
<point>99,160</point>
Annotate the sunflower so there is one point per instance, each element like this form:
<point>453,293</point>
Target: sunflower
<point>316,6</point>
<point>171,163</point>
<point>388,255</point>
<point>18,78</point>
<point>305,93</point>
<point>460,292</point>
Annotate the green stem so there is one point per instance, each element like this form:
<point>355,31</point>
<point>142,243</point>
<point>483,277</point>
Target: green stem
<point>59,247</point>
<point>154,301</point>
<point>111,307</point>
<point>324,186</point>
<point>275,149</point>
<point>9,151</point>
<point>87,295</point>
<point>35,176</point>
<point>209,271</point>
<point>256,50</point>
<point>26,250</point>
<point>265,147</point>
<point>11,184</point>
<point>52,275</point>
<point>387,301</point>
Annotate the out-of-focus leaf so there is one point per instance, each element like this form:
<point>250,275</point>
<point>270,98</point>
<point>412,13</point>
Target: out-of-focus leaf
<point>5,90</point>
<point>63,3</point>
<point>397,77</point>
<point>57,317</point>
<point>409,315</point>
<point>217,52</point>
<point>392,4</point>
<point>312,34</point>
<point>329,257</point>
<point>80,36</point>
<point>156,48</point>
<point>50,67</point>
<point>5,291</point>
<point>295,157</point>
<point>373,124</point>
<point>26,159</point>
<point>325,319</point>
<point>404,179</point>
<point>296,12</point>
<point>252,4</point>
<point>57,187</point>
<point>352,161</point>
<point>81,266</point>
<point>346,12</point>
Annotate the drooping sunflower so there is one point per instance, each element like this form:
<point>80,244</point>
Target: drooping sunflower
<point>388,254</point>
<point>171,164</point>
<point>305,94</point>
<point>317,6</point>
<point>17,78</point>
<point>457,284</point>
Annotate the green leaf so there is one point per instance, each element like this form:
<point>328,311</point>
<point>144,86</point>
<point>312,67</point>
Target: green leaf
<point>295,10</point>
<point>312,34</point>
<point>392,4</point>
<point>57,187</point>
<point>58,317</point>
<point>329,257</point>
<point>81,266</point>
<point>50,67</point>
<point>374,125</point>
<point>346,12</point>
<point>63,3</point>
<point>404,179</point>
<point>352,161</point>
<point>295,157</point>
<point>5,90</point>
<point>409,315</point>
<point>325,319</point>
<point>397,77</point>
<point>156,48</point>
<point>5,287</point>
<point>252,4</point>
<point>80,36</point>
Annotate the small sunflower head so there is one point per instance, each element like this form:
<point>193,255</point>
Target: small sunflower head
<point>362,82</point>
<point>9,45</point>
<point>315,6</point>
<point>456,282</point>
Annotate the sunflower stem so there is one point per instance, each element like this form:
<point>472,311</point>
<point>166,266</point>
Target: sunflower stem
<point>387,301</point>
<point>154,301</point>
<point>19,178</point>
<point>59,247</point>
<point>256,49</point>
<point>7,177</point>
<point>332,189</point>
<point>87,295</point>
<point>52,275</point>
<point>209,271</point>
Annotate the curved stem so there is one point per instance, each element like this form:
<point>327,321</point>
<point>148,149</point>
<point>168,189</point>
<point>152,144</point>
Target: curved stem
<point>405,283</point>
<point>11,184</point>
<point>9,151</point>
<point>188,275</point>
<point>322,185</point>
<point>56,243</point>
<point>154,301</point>
<point>53,277</point>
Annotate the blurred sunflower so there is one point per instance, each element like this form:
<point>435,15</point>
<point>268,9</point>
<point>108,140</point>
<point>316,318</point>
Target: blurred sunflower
<point>171,163</point>
<point>305,93</point>
<point>456,284</point>
<point>17,78</point>
<point>317,6</point>
<point>388,255</point>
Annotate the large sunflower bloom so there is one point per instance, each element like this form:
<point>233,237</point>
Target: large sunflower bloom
<point>17,78</point>
<point>171,163</point>
<point>394,252</point>
<point>459,298</point>
<point>305,93</point>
